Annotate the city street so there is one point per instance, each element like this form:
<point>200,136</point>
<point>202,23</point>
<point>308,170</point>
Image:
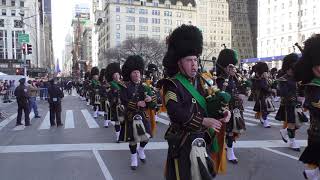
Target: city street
<point>83,149</point>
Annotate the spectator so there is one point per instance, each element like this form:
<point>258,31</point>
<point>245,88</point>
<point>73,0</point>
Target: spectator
<point>32,93</point>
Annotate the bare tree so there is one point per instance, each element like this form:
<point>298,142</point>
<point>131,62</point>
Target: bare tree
<point>151,50</point>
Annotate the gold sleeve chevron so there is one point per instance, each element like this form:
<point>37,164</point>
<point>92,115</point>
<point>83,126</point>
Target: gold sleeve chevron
<point>170,96</point>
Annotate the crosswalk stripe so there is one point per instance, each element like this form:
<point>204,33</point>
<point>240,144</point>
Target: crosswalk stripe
<point>22,127</point>
<point>166,122</point>
<point>69,122</point>
<point>89,119</point>
<point>7,120</point>
<point>46,122</point>
<point>258,121</point>
<point>273,114</point>
<point>253,115</point>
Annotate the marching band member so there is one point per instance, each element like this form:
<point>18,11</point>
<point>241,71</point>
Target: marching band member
<point>94,89</point>
<point>136,98</point>
<point>307,70</point>
<point>263,92</point>
<point>289,101</point>
<point>113,76</point>
<point>228,81</point>
<point>188,137</point>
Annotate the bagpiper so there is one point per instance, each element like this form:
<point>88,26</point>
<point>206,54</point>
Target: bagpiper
<point>104,107</point>
<point>263,94</point>
<point>136,98</point>
<point>151,81</point>
<point>289,104</point>
<point>307,70</point>
<point>188,137</point>
<point>94,91</point>
<point>86,87</point>
<point>228,80</point>
<point>113,77</point>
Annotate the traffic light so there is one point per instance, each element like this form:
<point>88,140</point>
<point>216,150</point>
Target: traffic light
<point>24,49</point>
<point>19,71</point>
<point>29,49</point>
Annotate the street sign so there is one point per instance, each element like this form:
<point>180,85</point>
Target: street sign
<point>23,38</point>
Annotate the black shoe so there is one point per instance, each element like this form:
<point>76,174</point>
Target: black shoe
<point>143,160</point>
<point>133,167</point>
<point>52,125</point>
<point>19,124</point>
<point>58,125</point>
<point>37,116</point>
<point>28,124</point>
<point>235,161</point>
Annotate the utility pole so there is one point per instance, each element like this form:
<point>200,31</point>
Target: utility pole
<point>24,53</point>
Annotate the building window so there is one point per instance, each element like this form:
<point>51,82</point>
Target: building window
<point>118,9</point>
<point>21,3</point>
<point>155,21</point>
<point>143,35</point>
<point>118,26</point>
<point>117,35</point>
<point>22,12</point>
<point>130,27</point>
<point>179,22</point>
<point>156,12</point>
<point>4,12</point>
<point>143,11</point>
<point>130,10</point>
<point>167,29</point>
<point>143,20</point>
<point>167,21</point>
<point>3,44</point>
<point>155,4</point>
<point>13,2</point>
<point>17,23</point>
<point>118,18</point>
<point>156,37</point>
<point>4,2</point>
<point>155,29</point>
<point>1,22</point>
<point>143,28</point>
<point>130,35</point>
<point>13,12</point>
<point>167,13</point>
<point>130,19</point>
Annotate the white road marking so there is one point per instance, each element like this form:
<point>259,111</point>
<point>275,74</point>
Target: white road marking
<point>102,165</point>
<point>46,122</point>
<point>124,146</point>
<point>69,122</point>
<point>253,112</point>
<point>166,122</point>
<point>163,121</point>
<point>89,119</point>
<point>7,120</point>
<point>280,153</point>
<point>22,127</point>
<point>258,121</point>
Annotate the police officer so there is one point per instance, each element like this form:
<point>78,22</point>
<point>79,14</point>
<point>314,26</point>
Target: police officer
<point>55,95</point>
<point>23,102</point>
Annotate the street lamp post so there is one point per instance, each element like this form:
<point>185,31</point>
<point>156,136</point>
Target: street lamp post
<point>26,49</point>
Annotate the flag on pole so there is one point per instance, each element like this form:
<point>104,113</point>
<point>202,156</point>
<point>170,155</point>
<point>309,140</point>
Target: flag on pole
<point>57,68</point>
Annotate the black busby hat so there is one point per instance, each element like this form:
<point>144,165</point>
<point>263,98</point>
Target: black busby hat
<point>152,67</point>
<point>226,57</point>
<point>134,62</point>
<point>310,58</point>
<point>94,71</point>
<point>102,73</point>
<point>289,61</point>
<point>185,40</point>
<point>87,75</point>
<point>260,68</point>
<point>111,69</point>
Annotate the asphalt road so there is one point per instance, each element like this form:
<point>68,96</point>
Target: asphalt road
<point>83,149</point>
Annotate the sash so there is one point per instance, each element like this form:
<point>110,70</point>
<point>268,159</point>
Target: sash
<point>115,85</point>
<point>192,90</point>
